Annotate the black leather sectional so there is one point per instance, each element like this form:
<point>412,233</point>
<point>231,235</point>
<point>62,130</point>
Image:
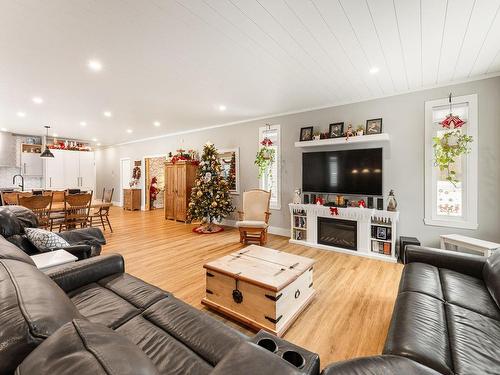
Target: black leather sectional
<point>446,319</point>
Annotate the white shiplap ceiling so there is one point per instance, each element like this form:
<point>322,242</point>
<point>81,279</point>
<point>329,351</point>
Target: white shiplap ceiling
<point>177,61</point>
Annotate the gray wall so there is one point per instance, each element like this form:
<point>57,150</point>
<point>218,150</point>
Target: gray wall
<point>403,119</point>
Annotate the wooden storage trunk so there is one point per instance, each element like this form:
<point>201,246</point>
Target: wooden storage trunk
<point>260,287</point>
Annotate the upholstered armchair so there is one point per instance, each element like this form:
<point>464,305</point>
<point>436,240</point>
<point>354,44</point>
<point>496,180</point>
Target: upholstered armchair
<point>254,219</point>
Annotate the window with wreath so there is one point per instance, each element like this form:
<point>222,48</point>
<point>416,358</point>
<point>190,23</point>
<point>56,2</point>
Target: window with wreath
<point>268,162</point>
<point>451,162</point>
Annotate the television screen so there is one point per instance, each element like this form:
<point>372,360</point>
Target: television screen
<point>354,172</point>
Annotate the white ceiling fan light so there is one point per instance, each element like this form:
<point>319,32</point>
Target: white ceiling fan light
<point>37,100</point>
<point>222,108</point>
<point>83,123</point>
<point>107,114</point>
<point>129,131</point>
<point>157,123</point>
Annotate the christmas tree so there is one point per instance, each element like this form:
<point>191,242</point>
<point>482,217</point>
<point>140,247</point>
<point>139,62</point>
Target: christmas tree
<point>210,199</point>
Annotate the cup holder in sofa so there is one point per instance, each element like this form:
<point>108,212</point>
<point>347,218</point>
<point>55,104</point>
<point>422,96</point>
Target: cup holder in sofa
<point>294,358</point>
<point>268,344</point>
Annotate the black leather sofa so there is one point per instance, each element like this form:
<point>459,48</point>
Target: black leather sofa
<point>446,318</point>
<point>90,317</point>
<point>85,243</point>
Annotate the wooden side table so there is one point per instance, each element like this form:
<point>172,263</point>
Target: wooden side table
<point>131,199</point>
<point>455,241</point>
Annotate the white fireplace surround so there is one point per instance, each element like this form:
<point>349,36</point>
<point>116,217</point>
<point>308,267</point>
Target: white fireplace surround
<point>363,217</point>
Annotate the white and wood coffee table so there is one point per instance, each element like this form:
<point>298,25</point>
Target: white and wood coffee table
<point>45,261</point>
<point>260,287</point>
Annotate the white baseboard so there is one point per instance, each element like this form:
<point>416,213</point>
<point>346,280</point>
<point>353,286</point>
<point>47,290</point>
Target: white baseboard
<point>273,230</point>
<point>119,204</point>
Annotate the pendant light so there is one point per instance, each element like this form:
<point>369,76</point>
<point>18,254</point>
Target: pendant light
<point>47,153</point>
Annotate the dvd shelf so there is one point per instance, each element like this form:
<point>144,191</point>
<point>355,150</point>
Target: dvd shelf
<point>381,236</point>
<point>299,225</point>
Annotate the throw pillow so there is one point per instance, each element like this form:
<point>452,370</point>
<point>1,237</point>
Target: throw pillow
<point>45,240</point>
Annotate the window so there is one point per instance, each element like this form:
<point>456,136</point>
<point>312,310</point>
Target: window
<point>271,181</point>
<point>451,204</point>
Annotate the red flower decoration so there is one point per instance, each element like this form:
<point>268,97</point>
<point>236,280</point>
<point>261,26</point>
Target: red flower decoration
<point>361,203</point>
<point>334,211</point>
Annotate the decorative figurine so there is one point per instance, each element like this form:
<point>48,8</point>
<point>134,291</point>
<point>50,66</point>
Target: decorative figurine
<point>349,132</point>
<point>392,204</point>
<point>296,196</point>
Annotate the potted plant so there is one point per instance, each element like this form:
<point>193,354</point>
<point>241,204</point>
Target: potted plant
<point>360,130</point>
<point>265,157</point>
<point>448,147</point>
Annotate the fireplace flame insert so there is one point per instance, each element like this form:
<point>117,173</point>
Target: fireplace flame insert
<point>338,233</point>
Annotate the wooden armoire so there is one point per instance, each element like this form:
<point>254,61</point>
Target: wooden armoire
<point>179,180</point>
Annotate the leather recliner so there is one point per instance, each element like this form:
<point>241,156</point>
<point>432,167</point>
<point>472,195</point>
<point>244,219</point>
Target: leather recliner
<point>85,243</point>
<point>89,317</point>
<point>446,319</point>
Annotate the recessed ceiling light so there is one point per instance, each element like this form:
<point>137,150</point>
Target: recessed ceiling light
<point>3,129</point>
<point>55,135</point>
<point>98,144</point>
<point>95,65</point>
<point>37,100</point>
<point>21,114</point>
<point>222,108</point>
<point>94,139</point>
<point>156,123</point>
<point>129,131</point>
<point>107,114</point>
<point>374,70</point>
<point>83,123</point>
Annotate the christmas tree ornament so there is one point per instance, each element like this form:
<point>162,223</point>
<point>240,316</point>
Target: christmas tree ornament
<point>452,121</point>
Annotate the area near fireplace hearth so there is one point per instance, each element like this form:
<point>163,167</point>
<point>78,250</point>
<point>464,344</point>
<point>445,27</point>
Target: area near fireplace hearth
<point>353,230</point>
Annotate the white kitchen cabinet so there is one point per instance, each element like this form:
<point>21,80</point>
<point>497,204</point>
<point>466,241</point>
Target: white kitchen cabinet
<point>87,171</point>
<point>70,170</point>
<point>31,164</point>
<point>54,171</point>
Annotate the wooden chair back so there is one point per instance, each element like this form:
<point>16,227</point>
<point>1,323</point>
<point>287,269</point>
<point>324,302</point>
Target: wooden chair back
<point>107,197</point>
<point>58,196</point>
<point>77,209</point>
<point>256,205</point>
<point>40,205</point>
<point>9,199</point>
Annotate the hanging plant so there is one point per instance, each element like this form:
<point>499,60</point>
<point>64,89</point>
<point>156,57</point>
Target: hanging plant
<point>447,149</point>
<point>264,159</point>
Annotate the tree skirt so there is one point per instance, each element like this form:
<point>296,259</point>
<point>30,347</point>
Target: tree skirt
<point>208,229</point>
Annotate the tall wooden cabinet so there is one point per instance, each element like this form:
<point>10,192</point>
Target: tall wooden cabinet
<point>179,180</point>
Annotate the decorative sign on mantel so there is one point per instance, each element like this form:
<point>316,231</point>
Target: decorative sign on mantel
<point>375,230</point>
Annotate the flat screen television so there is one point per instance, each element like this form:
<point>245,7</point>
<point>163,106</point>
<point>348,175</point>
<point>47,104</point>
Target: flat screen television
<point>350,172</point>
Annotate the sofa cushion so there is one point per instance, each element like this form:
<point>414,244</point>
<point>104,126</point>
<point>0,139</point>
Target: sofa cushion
<point>100,305</point>
<point>468,292</point>
<point>45,240</point>
<point>491,276</point>
<point>85,348</point>
<point>208,337</point>
<point>423,278</point>
<point>474,340</point>
<point>133,290</point>
<point>32,308</point>
<point>25,216</point>
<point>169,355</point>
<point>378,365</point>
<point>9,224</point>
<point>10,251</point>
<point>419,331</point>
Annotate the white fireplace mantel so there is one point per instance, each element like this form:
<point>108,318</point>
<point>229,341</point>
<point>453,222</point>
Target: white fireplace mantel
<point>365,218</point>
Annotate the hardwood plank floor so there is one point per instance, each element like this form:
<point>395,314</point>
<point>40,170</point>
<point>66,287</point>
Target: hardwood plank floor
<point>348,318</point>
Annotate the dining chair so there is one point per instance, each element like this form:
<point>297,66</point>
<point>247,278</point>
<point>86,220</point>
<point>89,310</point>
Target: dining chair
<point>9,199</point>
<point>254,219</point>
<point>76,211</point>
<point>41,206</point>
<point>101,214</point>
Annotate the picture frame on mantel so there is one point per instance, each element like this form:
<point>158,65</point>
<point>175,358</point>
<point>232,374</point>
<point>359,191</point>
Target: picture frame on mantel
<point>373,126</point>
<point>306,133</point>
<point>229,159</point>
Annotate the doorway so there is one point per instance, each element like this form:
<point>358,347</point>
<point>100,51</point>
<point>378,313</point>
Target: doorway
<point>125,176</point>
<point>154,177</point>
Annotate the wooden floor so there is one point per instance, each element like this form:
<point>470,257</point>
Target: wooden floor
<point>348,318</point>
